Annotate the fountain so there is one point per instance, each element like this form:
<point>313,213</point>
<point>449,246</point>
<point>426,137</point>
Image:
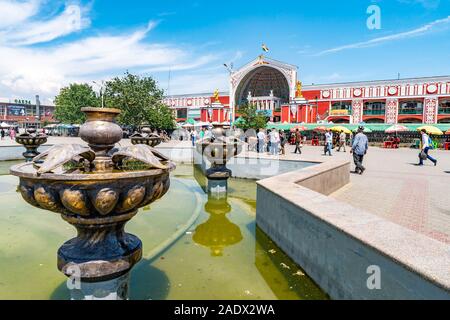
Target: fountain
<point>218,232</point>
<point>31,140</point>
<point>97,188</point>
<point>219,149</point>
<point>147,137</point>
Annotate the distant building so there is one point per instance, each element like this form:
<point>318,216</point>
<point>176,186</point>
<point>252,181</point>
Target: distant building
<point>25,114</point>
<point>274,88</point>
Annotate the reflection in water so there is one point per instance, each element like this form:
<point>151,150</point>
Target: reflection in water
<point>218,232</point>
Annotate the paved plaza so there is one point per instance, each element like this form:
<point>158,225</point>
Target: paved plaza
<point>393,187</point>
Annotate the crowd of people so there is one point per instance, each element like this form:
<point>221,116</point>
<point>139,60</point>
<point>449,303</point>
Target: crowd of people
<point>273,142</point>
<point>11,132</point>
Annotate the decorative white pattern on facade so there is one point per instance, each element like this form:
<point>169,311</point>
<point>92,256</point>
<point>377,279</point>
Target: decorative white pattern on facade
<point>387,91</point>
<point>357,111</point>
<point>391,111</point>
<point>431,110</point>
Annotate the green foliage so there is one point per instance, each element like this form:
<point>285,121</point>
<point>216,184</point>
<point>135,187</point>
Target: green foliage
<point>71,99</point>
<point>251,119</point>
<point>140,100</point>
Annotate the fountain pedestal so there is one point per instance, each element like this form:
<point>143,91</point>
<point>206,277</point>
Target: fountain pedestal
<point>93,190</point>
<point>115,289</point>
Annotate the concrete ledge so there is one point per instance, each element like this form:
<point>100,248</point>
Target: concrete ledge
<point>336,243</point>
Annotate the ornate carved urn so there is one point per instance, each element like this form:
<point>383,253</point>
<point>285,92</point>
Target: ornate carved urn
<point>146,137</point>
<point>97,189</point>
<point>31,140</point>
<point>219,149</point>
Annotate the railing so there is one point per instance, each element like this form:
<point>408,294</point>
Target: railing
<point>381,112</point>
<point>444,111</point>
<point>411,111</point>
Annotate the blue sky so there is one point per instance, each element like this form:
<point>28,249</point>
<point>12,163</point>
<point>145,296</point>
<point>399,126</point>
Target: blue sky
<point>46,44</point>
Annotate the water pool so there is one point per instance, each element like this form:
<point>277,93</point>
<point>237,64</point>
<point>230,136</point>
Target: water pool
<point>223,255</point>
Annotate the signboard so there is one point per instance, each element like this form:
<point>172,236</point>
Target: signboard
<point>16,111</point>
<point>339,113</point>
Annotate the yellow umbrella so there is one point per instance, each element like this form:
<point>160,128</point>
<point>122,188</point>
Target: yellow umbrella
<point>431,130</point>
<point>340,129</point>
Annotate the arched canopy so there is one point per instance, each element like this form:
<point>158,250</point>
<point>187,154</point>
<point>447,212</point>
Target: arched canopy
<point>260,82</point>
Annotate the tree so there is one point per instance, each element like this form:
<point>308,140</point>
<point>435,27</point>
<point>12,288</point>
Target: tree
<point>251,118</point>
<point>140,100</point>
<point>71,99</point>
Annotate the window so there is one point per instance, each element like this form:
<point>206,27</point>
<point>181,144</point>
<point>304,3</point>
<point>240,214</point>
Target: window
<point>182,113</point>
<point>444,106</point>
<point>411,107</point>
<point>374,108</point>
<point>342,105</point>
<point>342,108</point>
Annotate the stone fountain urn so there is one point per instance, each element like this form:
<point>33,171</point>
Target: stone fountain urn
<point>219,149</point>
<point>97,188</point>
<point>146,137</point>
<point>31,140</point>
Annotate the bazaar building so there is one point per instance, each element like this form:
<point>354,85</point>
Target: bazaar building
<point>275,89</point>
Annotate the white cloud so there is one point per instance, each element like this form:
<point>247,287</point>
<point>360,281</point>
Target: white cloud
<point>16,12</point>
<point>430,27</point>
<point>26,70</point>
<point>69,21</point>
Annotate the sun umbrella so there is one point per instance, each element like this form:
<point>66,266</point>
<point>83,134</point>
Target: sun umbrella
<point>341,128</point>
<point>300,128</point>
<point>431,130</point>
<point>4,125</point>
<point>397,128</point>
<point>321,129</point>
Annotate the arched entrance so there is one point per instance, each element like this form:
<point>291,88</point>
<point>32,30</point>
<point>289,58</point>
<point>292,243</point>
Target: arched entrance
<point>263,82</point>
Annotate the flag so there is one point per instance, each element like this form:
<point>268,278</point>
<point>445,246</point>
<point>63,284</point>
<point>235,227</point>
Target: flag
<point>265,48</point>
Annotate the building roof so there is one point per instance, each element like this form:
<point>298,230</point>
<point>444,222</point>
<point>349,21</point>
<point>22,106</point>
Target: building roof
<point>377,82</point>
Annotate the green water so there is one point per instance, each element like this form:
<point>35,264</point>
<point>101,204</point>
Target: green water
<point>222,256</point>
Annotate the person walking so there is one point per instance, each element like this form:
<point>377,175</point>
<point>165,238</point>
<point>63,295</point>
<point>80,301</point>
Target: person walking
<point>261,140</point>
<point>12,133</point>
<point>359,150</point>
<point>274,137</point>
<point>3,134</point>
<point>298,141</point>
<point>283,142</point>
<point>426,147</point>
<point>328,142</point>
<point>342,141</point>
<point>194,137</point>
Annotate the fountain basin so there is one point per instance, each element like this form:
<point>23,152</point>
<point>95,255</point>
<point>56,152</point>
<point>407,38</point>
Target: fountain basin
<point>31,141</point>
<point>98,205</point>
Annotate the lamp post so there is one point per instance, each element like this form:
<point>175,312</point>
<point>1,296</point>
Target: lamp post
<point>101,91</point>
